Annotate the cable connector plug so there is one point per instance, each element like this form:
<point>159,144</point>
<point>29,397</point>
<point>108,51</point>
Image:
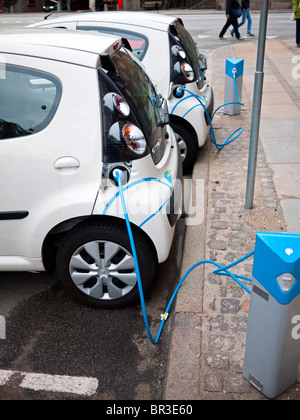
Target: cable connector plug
<point>118,174</point>
<point>164,316</point>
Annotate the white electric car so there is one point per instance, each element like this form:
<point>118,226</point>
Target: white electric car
<point>172,60</point>
<point>73,107</point>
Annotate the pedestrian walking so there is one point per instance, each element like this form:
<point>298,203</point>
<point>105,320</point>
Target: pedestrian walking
<point>233,12</point>
<point>245,16</point>
<point>296,10</point>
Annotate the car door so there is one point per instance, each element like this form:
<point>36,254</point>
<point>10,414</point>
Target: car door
<point>48,171</point>
<point>29,100</point>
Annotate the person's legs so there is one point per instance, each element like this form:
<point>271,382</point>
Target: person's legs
<point>249,18</point>
<point>244,16</point>
<point>235,25</point>
<point>226,26</point>
<point>298,32</point>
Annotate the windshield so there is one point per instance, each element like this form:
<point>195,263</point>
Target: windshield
<point>143,99</point>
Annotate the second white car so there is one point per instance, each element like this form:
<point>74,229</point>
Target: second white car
<point>172,61</point>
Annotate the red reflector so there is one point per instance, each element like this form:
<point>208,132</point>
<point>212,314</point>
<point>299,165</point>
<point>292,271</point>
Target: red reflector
<point>117,45</point>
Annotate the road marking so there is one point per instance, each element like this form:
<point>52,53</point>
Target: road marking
<point>5,376</point>
<point>204,36</point>
<point>272,37</point>
<point>79,385</point>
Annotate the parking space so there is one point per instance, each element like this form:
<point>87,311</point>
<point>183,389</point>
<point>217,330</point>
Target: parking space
<point>53,341</point>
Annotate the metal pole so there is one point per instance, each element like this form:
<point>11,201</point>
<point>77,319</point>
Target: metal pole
<point>257,99</point>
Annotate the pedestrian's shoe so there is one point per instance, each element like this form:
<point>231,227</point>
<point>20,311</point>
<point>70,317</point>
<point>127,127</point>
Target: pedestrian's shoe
<point>221,37</point>
<point>232,33</point>
<point>298,45</point>
<point>240,38</point>
<point>249,35</point>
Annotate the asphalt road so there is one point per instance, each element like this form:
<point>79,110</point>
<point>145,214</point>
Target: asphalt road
<point>49,333</point>
<point>205,28</point>
<point>55,337</point>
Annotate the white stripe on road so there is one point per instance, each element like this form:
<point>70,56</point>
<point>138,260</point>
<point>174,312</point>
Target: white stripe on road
<point>5,376</point>
<point>79,385</point>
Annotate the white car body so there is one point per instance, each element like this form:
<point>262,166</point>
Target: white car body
<point>53,179</point>
<point>156,29</point>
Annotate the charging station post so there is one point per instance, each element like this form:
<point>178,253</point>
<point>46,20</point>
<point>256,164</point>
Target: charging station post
<point>234,72</point>
<point>272,351</point>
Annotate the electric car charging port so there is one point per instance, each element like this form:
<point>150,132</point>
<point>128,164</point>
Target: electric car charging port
<point>178,92</point>
<point>125,174</point>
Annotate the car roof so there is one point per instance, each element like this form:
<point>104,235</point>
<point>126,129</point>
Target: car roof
<point>145,19</point>
<point>74,47</point>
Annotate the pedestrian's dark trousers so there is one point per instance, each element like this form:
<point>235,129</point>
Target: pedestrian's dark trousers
<point>297,31</point>
<point>232,20</point>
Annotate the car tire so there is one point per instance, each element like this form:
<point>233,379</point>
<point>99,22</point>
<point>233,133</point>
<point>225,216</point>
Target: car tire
<point>188,147</point>
<point>95,264</point>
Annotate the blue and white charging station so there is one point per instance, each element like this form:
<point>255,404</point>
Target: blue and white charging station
<point>273,333</point>
<point>234,71</point>
<point>272,353</point>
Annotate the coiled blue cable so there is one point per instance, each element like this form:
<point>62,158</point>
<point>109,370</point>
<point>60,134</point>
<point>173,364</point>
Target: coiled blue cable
<point>118,176</point>
<point>230,139</point>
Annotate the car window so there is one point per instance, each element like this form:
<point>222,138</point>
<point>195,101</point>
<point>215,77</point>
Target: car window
<point>28,101</point>
<point>190,47</point>
<point>138,42</point>
<point>146,105</point>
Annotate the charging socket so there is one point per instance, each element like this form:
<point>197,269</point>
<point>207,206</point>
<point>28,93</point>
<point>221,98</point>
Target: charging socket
<point>177,91</point>
<point>125,171</point>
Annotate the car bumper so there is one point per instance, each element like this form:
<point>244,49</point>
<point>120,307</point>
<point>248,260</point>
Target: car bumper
<point>190,109</point>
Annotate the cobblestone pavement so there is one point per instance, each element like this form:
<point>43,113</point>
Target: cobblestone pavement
<point>206,359</point>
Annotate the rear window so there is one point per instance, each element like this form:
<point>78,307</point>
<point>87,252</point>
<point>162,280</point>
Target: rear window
<point>139,43</point>
<point>28,101</point>
<point>188,45</point>
<point>141,95</point>
<point>147,108</point>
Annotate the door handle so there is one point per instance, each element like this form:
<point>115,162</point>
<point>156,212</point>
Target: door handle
<point>66,164</point>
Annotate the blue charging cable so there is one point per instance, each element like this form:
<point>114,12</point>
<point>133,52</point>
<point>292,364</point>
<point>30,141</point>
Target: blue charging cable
<point>118,175</point>
<point>236,134</point>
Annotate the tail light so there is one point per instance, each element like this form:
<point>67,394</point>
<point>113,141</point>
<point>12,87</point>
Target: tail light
<point>178,52</point>
<point>121,105</point>
<point>185,71</point>
<point>124,140</point>
<point>116,103</point>
<point>134,138</point>
<point>127,139</point>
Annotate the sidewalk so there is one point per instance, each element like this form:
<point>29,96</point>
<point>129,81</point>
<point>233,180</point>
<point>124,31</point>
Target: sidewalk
<point>210,324</point>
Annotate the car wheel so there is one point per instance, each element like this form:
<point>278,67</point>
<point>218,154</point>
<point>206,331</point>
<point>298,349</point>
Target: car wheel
<point>187,146</point>
<point>95,264</point>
